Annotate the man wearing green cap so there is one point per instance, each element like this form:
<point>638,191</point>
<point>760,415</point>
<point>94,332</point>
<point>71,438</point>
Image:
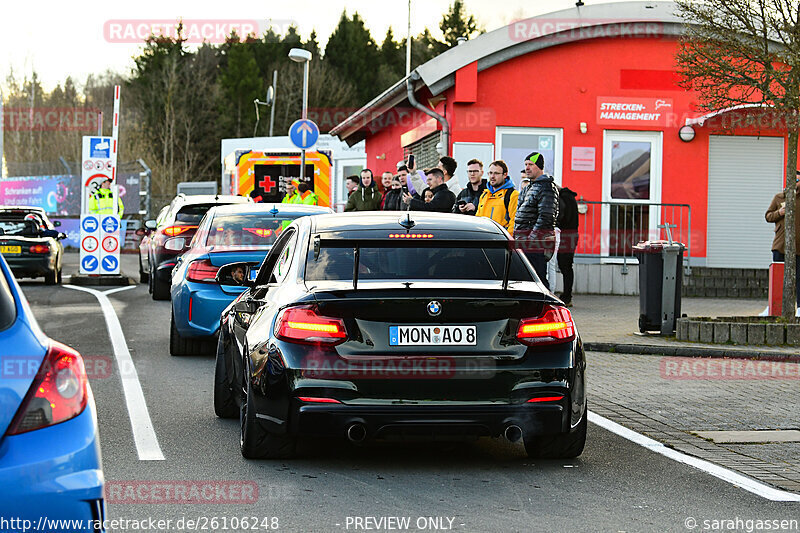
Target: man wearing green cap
<point>537,210</point>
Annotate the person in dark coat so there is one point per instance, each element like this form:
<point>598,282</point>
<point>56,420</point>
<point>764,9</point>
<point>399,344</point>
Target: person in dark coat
<point>366,197</point>
<point>393,201</point>
<point>467,200</point>
<point>443,198</point>
<point>535,221</point>
<point>567,222</point>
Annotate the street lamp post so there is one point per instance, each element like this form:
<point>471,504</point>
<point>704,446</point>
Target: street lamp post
<point>302,56</point>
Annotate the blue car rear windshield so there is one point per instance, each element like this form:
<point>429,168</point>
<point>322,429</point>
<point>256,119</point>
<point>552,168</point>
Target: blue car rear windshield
<point>415,263</point>
<point>245,230</point>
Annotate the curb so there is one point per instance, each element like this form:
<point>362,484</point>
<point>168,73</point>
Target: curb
<point>690,351</point>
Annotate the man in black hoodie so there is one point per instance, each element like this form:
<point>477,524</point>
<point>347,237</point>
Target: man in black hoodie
<point>567,222</point>
<point>537,210</point>
<point>467,200</point>
<point>443,199</point>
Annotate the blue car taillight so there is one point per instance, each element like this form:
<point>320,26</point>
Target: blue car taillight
<point>57,394</point>
<point>202,271</point>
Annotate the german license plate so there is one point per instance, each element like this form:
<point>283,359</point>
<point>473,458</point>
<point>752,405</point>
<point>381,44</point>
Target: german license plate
<point>10,249</point>
<point>434,335</point>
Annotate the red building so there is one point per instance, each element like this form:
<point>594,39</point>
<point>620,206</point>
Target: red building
<point>595,89</point>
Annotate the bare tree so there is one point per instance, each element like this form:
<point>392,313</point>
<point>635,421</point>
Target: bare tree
<point>747,53</point>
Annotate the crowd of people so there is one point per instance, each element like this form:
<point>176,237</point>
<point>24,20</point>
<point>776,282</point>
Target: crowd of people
<point>531,213</point>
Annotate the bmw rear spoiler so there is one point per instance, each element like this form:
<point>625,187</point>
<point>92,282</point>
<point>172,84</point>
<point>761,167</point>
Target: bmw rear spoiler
<point>407,242</point>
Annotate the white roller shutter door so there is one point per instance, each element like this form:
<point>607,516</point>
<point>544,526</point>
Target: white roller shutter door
<point>744,173</point>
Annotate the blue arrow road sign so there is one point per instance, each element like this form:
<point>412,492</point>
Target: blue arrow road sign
<point>109,263</point>
<point>90,263</point>
<point>110,224</point>
<point>90,224</point>
<point>304,133</point>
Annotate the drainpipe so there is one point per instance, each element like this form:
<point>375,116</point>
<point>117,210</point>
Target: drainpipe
<point>428,111</point>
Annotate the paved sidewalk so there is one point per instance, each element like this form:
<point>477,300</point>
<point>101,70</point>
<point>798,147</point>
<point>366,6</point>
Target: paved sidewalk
<point>642,393</point>
<point>611,323</point>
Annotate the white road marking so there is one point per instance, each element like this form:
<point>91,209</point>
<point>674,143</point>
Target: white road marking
<point>144,435</point>
<point>729,476</point>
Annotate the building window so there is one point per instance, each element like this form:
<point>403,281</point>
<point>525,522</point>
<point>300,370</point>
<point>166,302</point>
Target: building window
<point>424,151</point>
<point>514,144</point>
<point>630,170</point>
<point>631,190</point>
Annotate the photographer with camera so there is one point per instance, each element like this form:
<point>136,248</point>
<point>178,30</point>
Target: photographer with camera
<point>443,199</point>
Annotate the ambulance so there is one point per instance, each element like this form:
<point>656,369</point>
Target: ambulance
<point>260,167</point>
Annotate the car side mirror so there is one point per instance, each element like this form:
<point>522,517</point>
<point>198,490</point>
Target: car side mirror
<point>56,223</point>
<point>236,274</point>
<point>61,236</point>
<point>150,224</point>
<point>175,244</point>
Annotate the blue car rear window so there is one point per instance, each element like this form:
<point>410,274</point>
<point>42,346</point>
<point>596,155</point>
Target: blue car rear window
<point>245,230</point>
<point>8,307</point>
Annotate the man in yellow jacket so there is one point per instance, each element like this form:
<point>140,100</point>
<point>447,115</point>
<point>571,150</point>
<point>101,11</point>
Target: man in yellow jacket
<point>291,196</point>
<point>102,201</point>
<point>499,200</point>
<point>306,195</point>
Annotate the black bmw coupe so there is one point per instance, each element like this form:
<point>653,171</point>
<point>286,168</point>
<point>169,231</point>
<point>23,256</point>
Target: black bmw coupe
<point>398,326</point>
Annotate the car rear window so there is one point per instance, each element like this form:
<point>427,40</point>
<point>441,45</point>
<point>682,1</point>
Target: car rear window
<point>192,214</point>
<point>245,230</point>
<point>415,263</point>
<point>8,308</point>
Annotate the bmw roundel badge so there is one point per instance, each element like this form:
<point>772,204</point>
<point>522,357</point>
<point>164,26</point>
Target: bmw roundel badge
<point>434,308</point>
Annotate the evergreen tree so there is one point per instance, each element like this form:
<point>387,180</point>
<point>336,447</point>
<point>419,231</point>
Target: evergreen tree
<point>456,23</point>
<point>240,83</point>
<point>353,53</point>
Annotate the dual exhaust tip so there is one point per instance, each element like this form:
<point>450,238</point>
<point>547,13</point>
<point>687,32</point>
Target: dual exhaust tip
<point>357,432</point>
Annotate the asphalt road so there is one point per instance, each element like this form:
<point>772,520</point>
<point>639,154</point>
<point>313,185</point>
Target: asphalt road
<point>487,485</point>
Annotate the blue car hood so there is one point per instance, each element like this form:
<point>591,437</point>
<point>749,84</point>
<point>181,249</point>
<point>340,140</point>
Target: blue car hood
<point>23,347</point>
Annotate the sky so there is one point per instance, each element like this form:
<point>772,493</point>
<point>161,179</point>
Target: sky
<point>60,39</point>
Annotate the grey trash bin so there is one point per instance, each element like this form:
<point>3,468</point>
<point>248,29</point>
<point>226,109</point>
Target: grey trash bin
<point>660,274</point>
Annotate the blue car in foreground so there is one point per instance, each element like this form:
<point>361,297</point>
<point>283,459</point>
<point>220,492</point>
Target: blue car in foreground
<point>227,234</point>
<point>49,449</point>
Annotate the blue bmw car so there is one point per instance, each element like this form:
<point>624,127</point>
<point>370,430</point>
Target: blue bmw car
<point>49,449</point>
<point>227,234</point>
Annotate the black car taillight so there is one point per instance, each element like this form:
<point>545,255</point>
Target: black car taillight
<point>304,325</point>
<point>202,271</point>
<point>57,394</point>
<point>554,325</point>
